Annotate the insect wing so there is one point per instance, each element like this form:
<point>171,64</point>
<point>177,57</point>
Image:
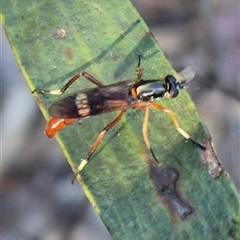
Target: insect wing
<point>186,75</point>
<point>65,108</point>
<point>94,101</point>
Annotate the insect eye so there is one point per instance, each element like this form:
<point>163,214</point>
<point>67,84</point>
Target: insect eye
<point>173,92</point>
<point>173,86</point>
<point>170,79</point>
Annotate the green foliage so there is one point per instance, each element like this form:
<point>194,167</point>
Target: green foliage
<point>104,38</point>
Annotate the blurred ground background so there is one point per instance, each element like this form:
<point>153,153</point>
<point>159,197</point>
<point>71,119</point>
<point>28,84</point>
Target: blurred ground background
<point>36,177</point>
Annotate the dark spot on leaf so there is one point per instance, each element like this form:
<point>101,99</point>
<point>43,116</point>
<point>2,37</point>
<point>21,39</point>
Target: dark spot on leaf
<point>78,20</point>
<point>114,57</point>
<point>16,35</point>
<point>165,189</point>
<point>210,159</point>
<point>164,181</point>
<point>233,232</point>
<point>234,221</point>
<point>68,53</point>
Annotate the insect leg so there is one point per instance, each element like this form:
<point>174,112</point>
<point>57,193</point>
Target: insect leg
<point>145,133</point>
<point>139,72</point>
<point>70,82</point>
<point>176,124</point>
<point>97,142</point>
<point>55,125</point>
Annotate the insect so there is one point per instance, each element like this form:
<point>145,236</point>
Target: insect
<point>138,94</point>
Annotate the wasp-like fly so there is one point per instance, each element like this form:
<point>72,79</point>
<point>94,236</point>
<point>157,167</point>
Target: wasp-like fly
<point>138,94</point>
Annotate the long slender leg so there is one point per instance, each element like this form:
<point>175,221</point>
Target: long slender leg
<point>175,122</point>
<point>145,132</point>
<point>139,69</point>
<point>97,142</point>
<point>139,73</point>
<point>69,83</point>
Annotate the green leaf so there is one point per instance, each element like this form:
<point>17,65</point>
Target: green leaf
<point>135,197</point>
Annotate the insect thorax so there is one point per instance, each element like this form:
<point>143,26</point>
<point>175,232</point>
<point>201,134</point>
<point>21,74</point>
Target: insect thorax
<point>152,89</point>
